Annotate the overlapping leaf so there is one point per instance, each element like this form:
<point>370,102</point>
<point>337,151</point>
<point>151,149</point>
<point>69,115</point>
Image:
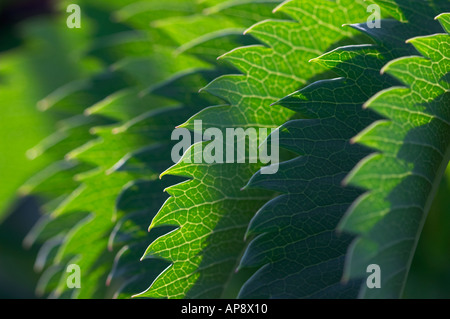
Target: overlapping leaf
<point>402,177</point>
<point>210,211</point>
<point>297,244</point>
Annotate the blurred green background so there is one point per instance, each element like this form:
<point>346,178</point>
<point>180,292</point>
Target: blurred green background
<point>36,58</point>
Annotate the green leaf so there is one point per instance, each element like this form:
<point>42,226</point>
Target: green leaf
<point>402,178</point>
<point>295,231</point>
<point>210,211</point>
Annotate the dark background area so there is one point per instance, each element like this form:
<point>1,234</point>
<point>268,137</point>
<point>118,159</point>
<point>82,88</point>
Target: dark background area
<point>12,12</point>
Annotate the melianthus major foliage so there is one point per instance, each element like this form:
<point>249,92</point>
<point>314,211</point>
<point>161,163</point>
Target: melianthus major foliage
<point>363,116</point>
